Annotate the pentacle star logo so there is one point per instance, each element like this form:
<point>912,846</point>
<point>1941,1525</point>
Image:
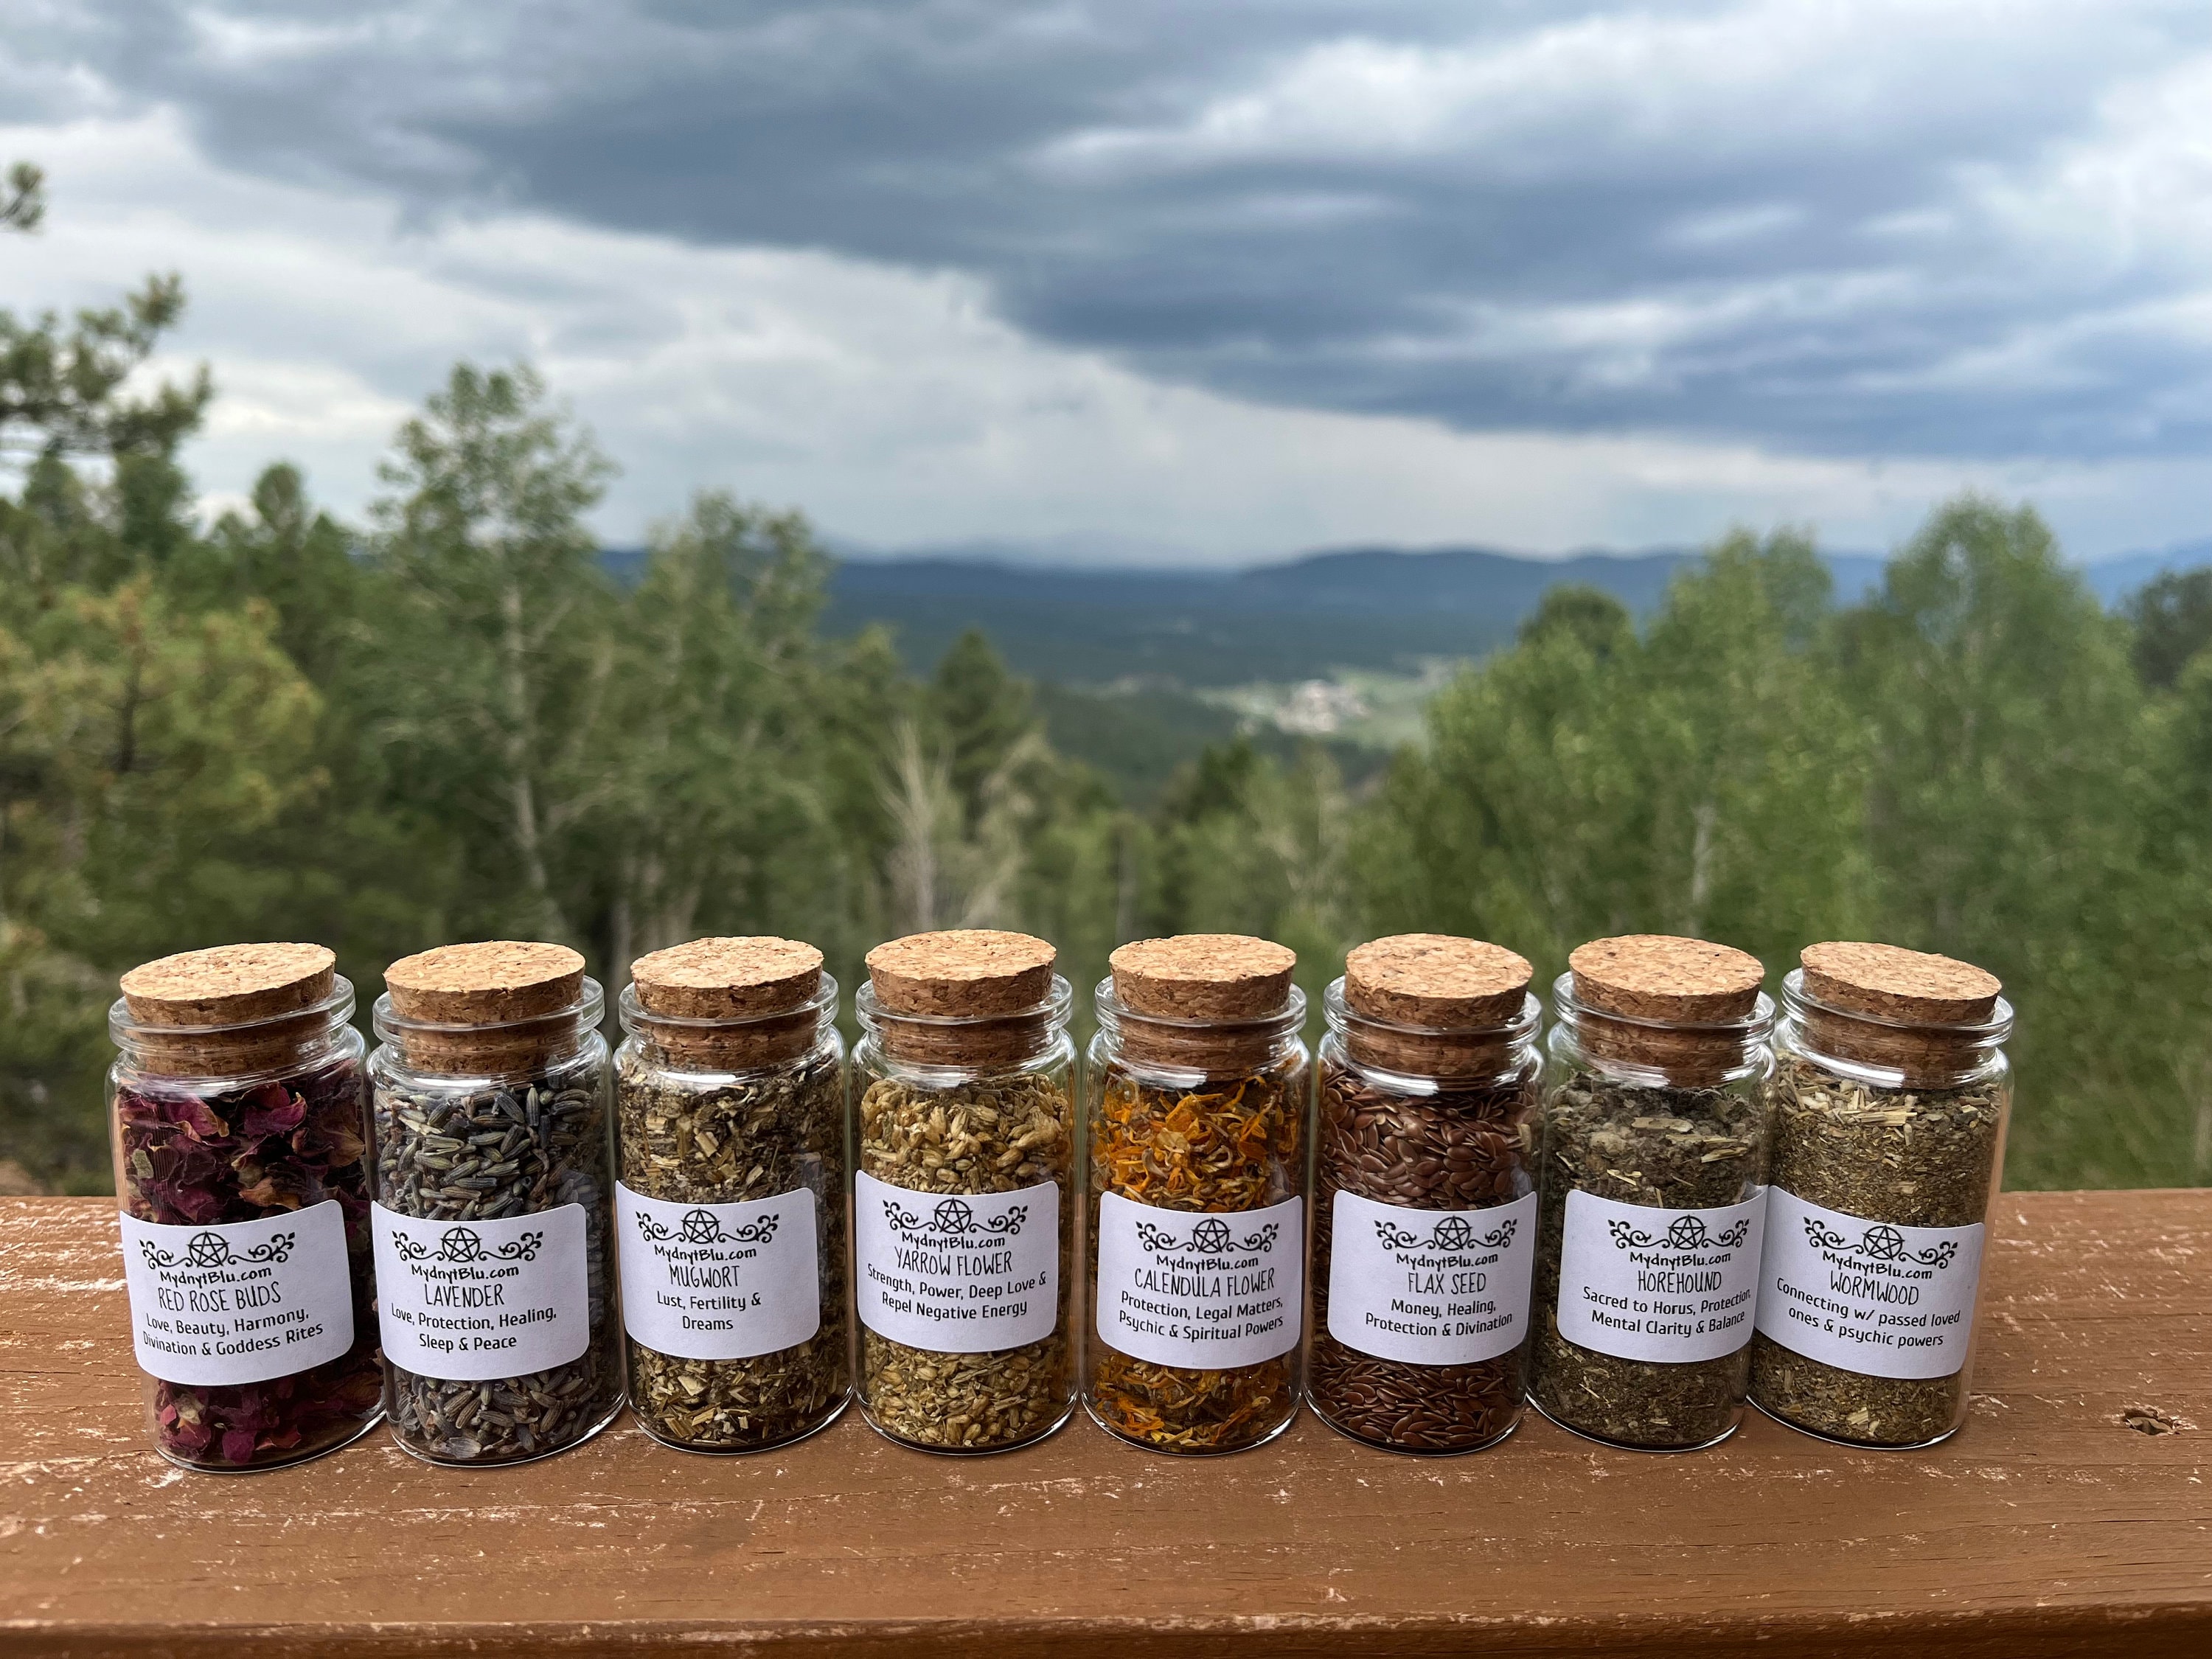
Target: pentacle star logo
<point>700,1227</point>
<point>461,1244</point>
<point>1210,1235</point>
<point>1883,1243</point>
<point>1686,1233</point>
<point>953,1217</point>
<point>207,1250</point>
<point>1454,1234</point>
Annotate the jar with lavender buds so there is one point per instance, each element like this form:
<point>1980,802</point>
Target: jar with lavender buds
<point>492,1162</point>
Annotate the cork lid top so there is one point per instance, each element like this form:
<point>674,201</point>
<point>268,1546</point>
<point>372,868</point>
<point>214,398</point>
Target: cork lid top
<point>1203,976</point>
<point>229,985</point>
<point>1435,982</point>
<point>964,972</point>
<point>496,983</point>
<point>727,978</point>
<point>1656,976</point>
<point>1887,982</point>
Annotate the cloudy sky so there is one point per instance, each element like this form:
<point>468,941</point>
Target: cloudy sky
<point>1173,281</point>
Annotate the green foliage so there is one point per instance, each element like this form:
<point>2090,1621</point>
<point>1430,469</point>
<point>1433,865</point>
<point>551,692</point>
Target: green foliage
<point>2173,618</point>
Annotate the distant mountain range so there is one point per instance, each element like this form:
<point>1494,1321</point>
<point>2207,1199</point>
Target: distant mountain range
<point>1373,608</point>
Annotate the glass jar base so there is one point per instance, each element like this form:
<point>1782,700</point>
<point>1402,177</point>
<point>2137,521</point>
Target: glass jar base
<point>290,1462</point>
<point>597,1428</point>
<point>1335,1427</point>
<point>1275,1433</point>
<point>905,1444</point>
<point>1632,1445</point>
<point>1856,1445</point>
<point>807,1433</point>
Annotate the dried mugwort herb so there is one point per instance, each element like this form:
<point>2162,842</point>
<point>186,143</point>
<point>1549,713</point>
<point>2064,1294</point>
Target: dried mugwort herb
<point>1463,1148</point>
<point>192,1154</point>
<point>988,1132</point>
<point>695,1137</point>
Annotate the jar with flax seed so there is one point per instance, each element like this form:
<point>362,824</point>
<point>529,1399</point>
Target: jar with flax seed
<point>1892,1092</point>
<point>730,1200</point>
<point>234,1107</point>
<point>1657,1131</point>
<point>1196,1111</point>
<point>964,1200</point>
<point>1424,1194</point>
<point>494,1211</point>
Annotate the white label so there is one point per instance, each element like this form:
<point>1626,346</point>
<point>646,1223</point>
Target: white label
<point>1642,1283</point>
<point>1433,1287</point>
<point>718,1281</point>
<point>965,1274</point>
<point>239,1301</point>
<point>1863,1294</point>
<point>1182,1287</point>
<point>476,1301</point>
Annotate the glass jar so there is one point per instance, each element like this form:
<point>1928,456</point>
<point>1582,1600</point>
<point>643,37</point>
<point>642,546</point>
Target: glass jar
<point>1892,1094</point>
<point>234,1113</point>
<point>494,1184</point>
<point>730,1204</point>
<point>1657,1132</point>
<point>964,1204</point>
<point>1424,1195</point>
<point>1195,1111</point>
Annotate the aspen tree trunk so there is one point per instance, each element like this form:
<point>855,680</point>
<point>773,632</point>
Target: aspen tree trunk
<point>521,746</point>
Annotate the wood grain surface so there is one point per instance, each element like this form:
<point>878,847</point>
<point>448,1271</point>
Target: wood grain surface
<point>2053,1524</point>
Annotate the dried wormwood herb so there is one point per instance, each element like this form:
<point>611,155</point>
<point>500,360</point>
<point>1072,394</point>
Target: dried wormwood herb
<point>715,1139</point>
<point>1235,1145</point>
<point>516,1148</point>
<point>1676,1149</point>
<point>1458,1149</point>
<point>1909,1158</point>
<point>193,1155</point>
<point>987,1134</point>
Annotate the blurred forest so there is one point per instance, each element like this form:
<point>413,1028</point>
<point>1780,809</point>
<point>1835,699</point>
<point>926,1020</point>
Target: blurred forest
<point>451,722</point>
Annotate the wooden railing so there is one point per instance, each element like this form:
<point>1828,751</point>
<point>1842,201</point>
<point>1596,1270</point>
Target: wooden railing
<point>2072,1516</point>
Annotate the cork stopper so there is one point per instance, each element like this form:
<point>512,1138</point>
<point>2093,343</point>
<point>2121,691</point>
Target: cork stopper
<point>495,1007</point>
<point>730,1004</point>
<point>1663,989</point>
<point>967,996</point>
<point>1228,991</point>
<point>1441,1004</point>
<point>1921,1014</point>
<point>265,995</point>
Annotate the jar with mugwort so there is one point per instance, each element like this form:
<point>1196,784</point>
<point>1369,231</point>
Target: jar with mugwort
<point>1652,1206</point>
<point>234,1110</point>
<point>492,1157</point>
<point>1196,1110</point>
<point>1424,1194</point>
<point>729,1202</point>
<point>964,1202</point>
<point>1891,1093</point>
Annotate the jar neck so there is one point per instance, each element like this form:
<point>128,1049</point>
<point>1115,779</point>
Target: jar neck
<point>504,1048</point>
<point>784,1038</point>
<point>1214,1048</point>
<point>1886,1053</point>
<point>254,1049</point>
<point>1466,1055</point>
<point>1655,1053</point>
<point>985,1043</point>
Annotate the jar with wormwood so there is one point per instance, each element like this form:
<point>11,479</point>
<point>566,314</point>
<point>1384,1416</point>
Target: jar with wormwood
<point>234,1107</point>
<point>730,1195</point>
<point>1891,1093</point>
<point>1195,1114</point>
<point>1424,1194</point>
<point>492,1158</point>
<point>1652,1194</point>
<point>963,1198</point>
